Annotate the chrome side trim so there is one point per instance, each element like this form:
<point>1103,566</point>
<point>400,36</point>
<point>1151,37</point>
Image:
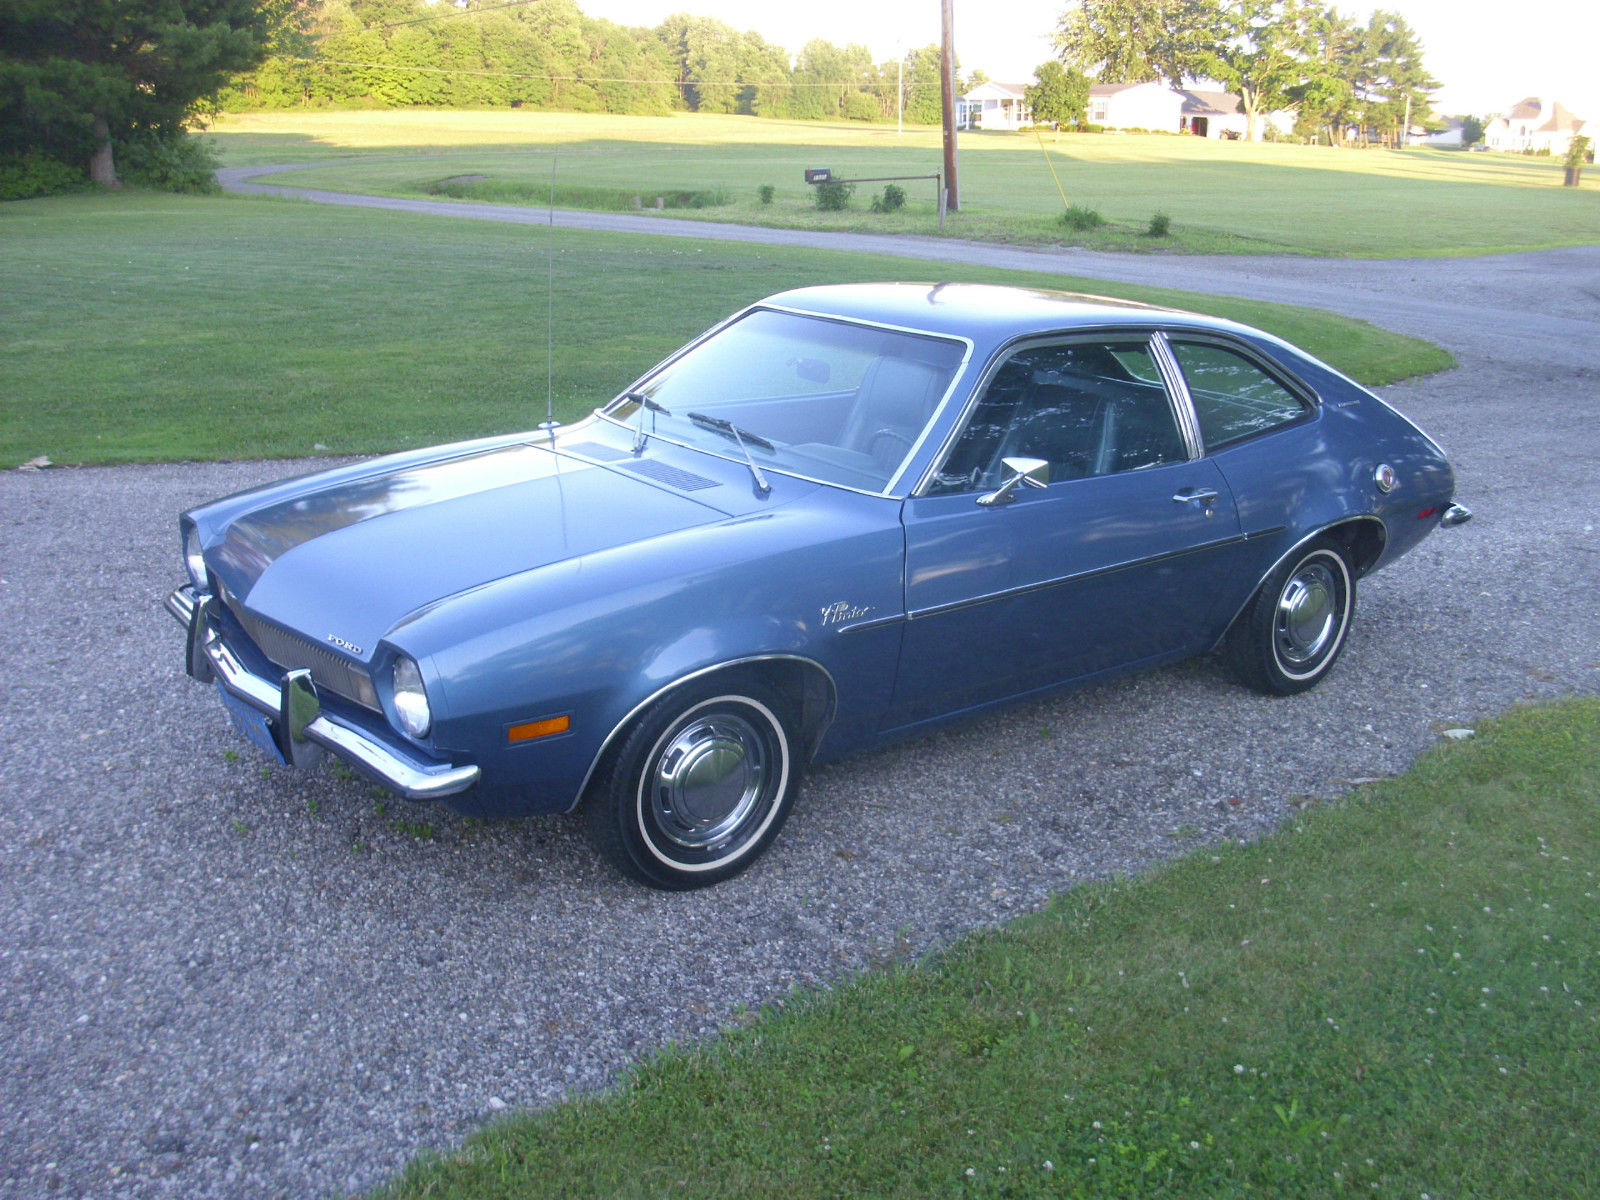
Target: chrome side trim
<point>921,614</point>
<point>299,725</point>
<point>616,730</point>
<point>1292,550</point>
<point>1456,514</point>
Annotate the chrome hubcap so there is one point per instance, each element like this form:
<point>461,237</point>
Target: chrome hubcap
<point>708,781</point>
<point>1307,614</point>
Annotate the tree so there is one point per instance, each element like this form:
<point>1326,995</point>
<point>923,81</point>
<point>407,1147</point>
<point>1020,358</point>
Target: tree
<point>78,76</point>
<point>1138,41</point>
<point>922,83</point>
<point>1058,95</point>
<point>1263,54</point>
<point>1471,131</point>
<point>1390,77</point>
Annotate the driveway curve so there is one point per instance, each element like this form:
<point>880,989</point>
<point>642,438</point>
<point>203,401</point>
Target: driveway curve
<point>222,980</point>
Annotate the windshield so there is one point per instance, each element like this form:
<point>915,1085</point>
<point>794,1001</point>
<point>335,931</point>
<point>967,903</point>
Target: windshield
<point>825,399</point>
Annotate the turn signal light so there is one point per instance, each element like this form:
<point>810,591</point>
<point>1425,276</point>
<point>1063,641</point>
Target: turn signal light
<point>529,730</point>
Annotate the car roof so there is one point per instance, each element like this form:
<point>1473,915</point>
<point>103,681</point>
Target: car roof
<point>985,312</point>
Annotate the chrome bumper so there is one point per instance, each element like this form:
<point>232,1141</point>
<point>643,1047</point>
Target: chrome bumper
<point>299,729</point>
<point>1456,514</point>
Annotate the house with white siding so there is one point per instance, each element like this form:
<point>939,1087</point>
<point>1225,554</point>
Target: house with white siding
<point>1135,106</point>
<point>993,105</point>
<point>1536,124</point>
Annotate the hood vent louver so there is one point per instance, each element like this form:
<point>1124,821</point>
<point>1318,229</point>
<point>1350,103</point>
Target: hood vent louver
<point>674,477</point>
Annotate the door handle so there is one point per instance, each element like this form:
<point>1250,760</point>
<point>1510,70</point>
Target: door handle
<point>1205,498</point>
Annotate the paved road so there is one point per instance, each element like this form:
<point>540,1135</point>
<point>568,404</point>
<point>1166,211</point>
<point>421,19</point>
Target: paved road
<point>217,980</point>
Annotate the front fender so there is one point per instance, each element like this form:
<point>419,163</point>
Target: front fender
<point>596,638</point>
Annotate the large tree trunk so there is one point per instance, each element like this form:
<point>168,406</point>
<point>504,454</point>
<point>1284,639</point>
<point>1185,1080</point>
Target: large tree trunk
<point>102,165</point>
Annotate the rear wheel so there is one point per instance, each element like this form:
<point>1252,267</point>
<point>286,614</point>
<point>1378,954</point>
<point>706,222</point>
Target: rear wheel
<point>1288,637</point>
<point>699,786</point>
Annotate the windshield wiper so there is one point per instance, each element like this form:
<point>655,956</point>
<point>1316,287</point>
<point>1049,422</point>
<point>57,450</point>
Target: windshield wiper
<point>723,425</point>
<point>644,402</point>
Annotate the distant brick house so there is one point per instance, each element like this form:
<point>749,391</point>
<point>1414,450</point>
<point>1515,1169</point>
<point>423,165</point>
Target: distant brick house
<point>1535,124</point>
<point>993,105</point>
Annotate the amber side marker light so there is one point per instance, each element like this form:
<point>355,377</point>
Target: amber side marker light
<point>529,730</point>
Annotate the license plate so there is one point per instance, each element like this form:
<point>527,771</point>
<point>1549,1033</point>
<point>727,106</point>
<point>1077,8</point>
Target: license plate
<point>252,725</point>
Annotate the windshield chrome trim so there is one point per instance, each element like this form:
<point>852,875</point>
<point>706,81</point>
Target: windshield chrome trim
<point>891,487</point>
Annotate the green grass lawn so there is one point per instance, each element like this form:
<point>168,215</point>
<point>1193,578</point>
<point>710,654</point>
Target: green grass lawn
<point>1395,996</point>
<point>1222,197</point>
<point>142,327</point>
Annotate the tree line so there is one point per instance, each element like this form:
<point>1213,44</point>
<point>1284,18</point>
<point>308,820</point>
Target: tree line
<point>1340,76</point>
<point>548,54</point>
<point>105,90</point>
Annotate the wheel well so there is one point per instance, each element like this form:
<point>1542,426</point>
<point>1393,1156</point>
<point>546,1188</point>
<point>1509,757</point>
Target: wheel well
<point>806,686</point>
<point>1363,540</point>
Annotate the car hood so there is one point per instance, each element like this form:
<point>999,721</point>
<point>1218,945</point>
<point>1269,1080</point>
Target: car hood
<point>344,563</point>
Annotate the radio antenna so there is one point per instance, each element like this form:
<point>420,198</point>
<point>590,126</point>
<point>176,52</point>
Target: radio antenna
<point>550,424</point>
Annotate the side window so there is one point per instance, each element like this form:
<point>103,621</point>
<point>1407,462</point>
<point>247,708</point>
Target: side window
<point>1086,408</point>
<point>1232,396</point>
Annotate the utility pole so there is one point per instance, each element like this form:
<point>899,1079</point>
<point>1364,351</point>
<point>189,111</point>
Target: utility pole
<point>900,93</point>
<point>947,95</point>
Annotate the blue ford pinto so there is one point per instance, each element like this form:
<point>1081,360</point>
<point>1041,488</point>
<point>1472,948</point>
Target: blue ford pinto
<point>838,517</point>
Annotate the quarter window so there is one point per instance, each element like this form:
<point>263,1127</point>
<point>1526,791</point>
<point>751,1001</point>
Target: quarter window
<point>1233,397</point>
<point>1086,408</point>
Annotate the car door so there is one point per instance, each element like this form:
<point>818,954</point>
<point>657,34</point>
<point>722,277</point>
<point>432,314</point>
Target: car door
<point>1124,557</point>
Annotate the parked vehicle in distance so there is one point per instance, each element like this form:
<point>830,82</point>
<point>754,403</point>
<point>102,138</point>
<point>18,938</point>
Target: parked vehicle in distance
<point>842,515</point>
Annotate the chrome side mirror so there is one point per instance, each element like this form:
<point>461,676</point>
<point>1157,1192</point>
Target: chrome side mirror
<point>1025,472</point>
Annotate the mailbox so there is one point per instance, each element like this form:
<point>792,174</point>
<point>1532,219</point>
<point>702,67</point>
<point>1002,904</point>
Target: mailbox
<point>818,175</point>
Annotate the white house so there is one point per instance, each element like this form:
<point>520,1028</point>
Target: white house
<point>1212,114</point>
<point>1537,124</point>
<point>1167,110</point>
<point>993,105</point>
<point>1135,106</point>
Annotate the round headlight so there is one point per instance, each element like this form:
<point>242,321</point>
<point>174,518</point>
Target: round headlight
<point>193,560</point>
<point>411,699</point>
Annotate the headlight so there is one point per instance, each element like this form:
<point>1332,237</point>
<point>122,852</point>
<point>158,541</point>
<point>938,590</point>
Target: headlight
<point>192,558</point>
<point>411,699</point>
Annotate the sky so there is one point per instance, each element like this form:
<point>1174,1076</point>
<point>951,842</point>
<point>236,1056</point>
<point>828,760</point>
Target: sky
<point>1487,55</point>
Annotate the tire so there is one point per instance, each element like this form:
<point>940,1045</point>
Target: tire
<point>1293,629</point>
<point>699,786</point>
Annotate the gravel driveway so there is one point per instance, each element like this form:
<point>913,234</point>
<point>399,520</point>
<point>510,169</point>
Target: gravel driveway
<point>222,980</point>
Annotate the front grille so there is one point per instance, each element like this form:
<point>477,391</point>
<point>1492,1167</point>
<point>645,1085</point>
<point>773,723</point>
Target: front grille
<point>293,653</point>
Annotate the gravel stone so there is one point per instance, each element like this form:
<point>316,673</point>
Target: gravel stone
<point>223,979</point>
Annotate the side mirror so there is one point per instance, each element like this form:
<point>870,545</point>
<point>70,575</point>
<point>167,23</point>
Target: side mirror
<point>1024,472</point>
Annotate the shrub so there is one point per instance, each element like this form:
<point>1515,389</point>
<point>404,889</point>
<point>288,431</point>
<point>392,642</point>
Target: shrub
<point>168,162</point>
<point>766,192</point>
<point>893,199</point>
<point>1082,219</point>
<point>858,106</point>
<point>834,196</point>
<point>35,173</point>
<point>1160,226</point>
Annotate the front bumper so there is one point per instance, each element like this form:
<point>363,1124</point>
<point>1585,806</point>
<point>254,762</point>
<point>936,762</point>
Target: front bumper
<point>295,721</point>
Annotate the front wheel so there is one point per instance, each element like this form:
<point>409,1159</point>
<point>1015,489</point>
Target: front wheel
<point>1288,637</point>
<point>700,785</point>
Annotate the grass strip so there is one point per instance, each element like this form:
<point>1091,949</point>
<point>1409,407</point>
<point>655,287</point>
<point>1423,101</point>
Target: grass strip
<point>1220,197</point>
<point>1396,995</point>
<point>155,328</point>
